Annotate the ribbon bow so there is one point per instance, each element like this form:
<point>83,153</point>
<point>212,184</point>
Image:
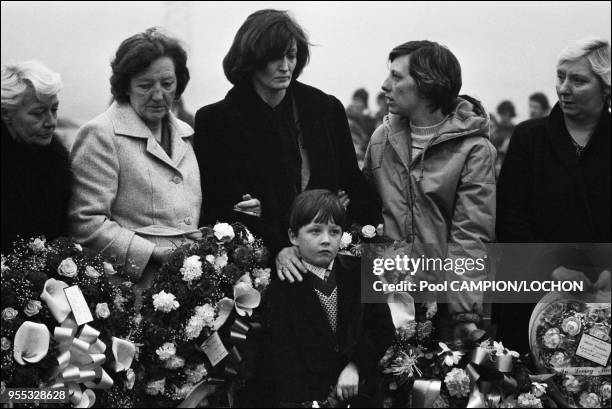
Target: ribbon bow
<point>80,357</point>
<point>489,376</point>
<point>401,306</point>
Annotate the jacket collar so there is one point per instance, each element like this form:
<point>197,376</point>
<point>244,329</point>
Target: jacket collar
<point>126,122</point>
<point>468,118</point>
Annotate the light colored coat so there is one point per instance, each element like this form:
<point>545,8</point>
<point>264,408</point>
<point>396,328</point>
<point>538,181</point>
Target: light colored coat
<point>445,196</point>
<point>128,196</point>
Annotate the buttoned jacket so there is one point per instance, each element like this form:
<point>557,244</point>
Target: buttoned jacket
<point>128,195</point>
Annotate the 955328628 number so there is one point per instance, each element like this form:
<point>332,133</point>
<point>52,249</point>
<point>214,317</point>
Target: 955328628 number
<point>32,395</point>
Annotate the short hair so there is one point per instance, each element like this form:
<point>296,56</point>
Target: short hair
<point>361,94</point>
<point>19,78</point>
<point>436,71</point>
<point>136,53</point>
<point>506,107</point>
<point>597,52</point>
<point>318,206</point>
<point>541,99</point>
<point>264,37</point>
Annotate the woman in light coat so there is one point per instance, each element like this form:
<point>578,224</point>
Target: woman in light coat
<point>136,192</point>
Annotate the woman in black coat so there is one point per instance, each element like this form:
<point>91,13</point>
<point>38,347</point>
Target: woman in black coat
<point>273,137</point>
<point>554,186</point>
<point>35,172</point>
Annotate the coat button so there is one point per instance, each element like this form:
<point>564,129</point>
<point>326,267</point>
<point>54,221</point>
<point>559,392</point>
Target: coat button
<point>188,220</point>
<point>337,348</point>
<point>177,179</point>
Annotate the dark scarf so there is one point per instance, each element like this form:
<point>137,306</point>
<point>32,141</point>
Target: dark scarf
<point>274,133</point>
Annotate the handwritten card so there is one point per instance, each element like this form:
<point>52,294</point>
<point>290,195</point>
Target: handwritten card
<point>594,349</point>
<point>79,306</point>
<point>214,349</point>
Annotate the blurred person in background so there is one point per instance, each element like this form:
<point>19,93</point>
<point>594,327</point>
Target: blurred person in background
<point>502,131</point>
<point>35,171</point>
<point>359,111</point>
<point>273,137</point>
<point>538,105</point>
<point>555,184</point>
<point>383,108</point>
<point>137,192</point>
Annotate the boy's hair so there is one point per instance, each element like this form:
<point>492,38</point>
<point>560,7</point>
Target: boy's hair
<point>316,206</point>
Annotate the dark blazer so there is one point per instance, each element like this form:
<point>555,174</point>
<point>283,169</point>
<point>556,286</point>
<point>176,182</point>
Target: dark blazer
<point>238,153</point>
<point>35,190</point>
<point>546,194</point>
<point>307,357</point>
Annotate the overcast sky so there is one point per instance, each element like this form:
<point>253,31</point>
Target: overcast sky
<point>507,51</point>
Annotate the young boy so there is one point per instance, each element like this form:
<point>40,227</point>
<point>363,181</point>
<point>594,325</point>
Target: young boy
<point>322,337</point>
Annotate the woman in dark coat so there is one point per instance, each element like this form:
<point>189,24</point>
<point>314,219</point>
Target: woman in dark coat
<point>35,173</point>
<point>272,137</point>
<point>554,186</point>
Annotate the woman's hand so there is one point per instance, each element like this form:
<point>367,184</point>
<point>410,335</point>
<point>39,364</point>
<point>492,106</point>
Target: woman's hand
<point>348,382</point>
<point>344,199</point>
<point>289,265</point>
<point>249,206</point>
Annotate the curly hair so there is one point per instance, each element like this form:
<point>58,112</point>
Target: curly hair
<point>136,53</point>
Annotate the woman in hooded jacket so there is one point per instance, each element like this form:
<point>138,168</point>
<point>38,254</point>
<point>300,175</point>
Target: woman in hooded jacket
<point>434,168</point>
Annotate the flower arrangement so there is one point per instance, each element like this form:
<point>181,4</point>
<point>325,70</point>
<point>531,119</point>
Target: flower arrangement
<point>198,310</point>
<point>353,240</point>
<point>420,371</point>
<point>565,337</point>
<point>34,307</point>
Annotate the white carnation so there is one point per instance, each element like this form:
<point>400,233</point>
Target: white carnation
<point>166,351</point>
<point>262,276</point>
<point>207,313</point>
<point>37,245</point>
<point>165,302</point>
<point>192,268</point>
<point>346,240</point>
<point>194,327</point>
<point>224,232</point>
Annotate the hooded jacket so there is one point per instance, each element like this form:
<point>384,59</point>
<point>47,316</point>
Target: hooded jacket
<point>442,200</point>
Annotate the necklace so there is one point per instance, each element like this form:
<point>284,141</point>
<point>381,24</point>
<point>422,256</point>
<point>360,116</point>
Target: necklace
<point>579,148</point>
